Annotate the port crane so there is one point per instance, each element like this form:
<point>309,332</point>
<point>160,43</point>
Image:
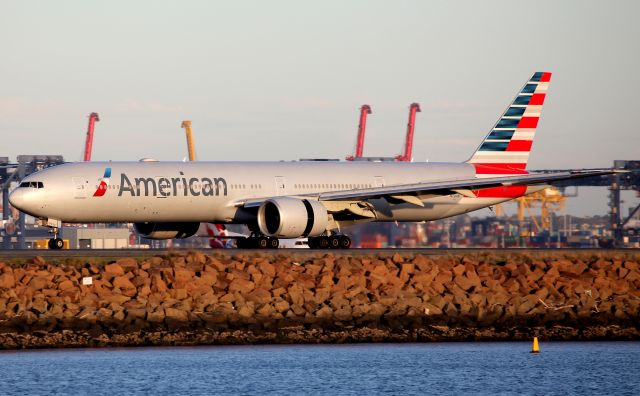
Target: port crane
<point>406,156</point>
<point>365,110</point>
<point>88,146</point>
<point>408,144</point>
<point>190,146</point>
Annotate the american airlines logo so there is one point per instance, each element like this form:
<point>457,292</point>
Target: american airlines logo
<point>165,186</point>
<point>104,182</point>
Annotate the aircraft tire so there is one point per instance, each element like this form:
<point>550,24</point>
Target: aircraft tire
<point>263,242</point>
<point>274,243</point>
<point>55,243</point>
<point>323,242</point>
<point>334,242</point>
<point>345,242</point>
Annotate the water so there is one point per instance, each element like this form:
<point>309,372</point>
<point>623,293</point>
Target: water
<point>451,368</point>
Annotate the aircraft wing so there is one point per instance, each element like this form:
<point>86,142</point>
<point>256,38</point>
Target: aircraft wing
<point>409,192</point>
<point>463,187</point>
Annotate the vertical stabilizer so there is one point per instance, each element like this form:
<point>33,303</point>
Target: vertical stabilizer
<point>505,150</point>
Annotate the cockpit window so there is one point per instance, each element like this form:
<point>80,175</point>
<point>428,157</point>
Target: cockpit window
<point>32,184</point>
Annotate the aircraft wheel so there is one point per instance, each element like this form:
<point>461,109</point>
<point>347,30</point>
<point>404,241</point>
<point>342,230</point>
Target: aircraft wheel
<point>263,242</point>
<point>334,242</point>
<point>242,243</point>
<point>274,243</point>
<point>56,243</point>
<point>323,242</point>
<point>345,242</point>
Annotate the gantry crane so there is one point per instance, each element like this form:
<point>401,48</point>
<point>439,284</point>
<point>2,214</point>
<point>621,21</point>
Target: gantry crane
<point>88,146</point>
<point>365,110</point>
<point>192,151</point>
<point>408,145</point>
<point>550,200</point>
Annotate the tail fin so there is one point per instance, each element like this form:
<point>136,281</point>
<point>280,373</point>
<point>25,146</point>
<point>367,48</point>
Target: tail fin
<point>505,150</point>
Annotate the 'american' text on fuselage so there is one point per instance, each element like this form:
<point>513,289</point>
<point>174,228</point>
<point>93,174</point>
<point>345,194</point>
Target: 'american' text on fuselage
<point>169,186</point>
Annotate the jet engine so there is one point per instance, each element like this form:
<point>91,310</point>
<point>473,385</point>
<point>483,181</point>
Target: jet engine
<point>286,217</point>
<point>166,230</point>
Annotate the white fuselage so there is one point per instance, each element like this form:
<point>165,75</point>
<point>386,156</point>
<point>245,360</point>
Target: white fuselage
<point>210,191</point>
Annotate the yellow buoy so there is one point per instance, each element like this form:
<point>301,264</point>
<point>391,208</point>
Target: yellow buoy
<point>536,347</point>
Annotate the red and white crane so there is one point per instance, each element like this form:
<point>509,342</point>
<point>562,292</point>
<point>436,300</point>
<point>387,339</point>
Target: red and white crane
<point>93,117</point>
<point>408,145</point>
<point>365,110</point>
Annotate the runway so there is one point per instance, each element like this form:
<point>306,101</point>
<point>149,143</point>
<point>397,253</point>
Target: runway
<point>142,253</point>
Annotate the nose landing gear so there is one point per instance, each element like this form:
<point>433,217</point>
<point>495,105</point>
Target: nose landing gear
<point>56,242</point>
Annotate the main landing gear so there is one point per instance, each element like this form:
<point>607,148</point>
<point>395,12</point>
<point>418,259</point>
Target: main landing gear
<point>330,242</point>
<point>258,242</point>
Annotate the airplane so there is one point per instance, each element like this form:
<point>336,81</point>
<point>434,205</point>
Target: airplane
<point>294,199</point>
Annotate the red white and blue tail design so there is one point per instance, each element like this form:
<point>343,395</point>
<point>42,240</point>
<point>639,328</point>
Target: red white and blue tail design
<point>505,150</point>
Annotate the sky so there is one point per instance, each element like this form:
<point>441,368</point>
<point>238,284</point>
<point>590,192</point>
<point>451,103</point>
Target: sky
<point>282,80</point>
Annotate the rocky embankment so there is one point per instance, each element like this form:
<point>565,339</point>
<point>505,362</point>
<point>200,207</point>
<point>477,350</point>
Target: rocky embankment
<point>225,298</point>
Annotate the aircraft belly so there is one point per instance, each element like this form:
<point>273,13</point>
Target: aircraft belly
<point>138,209</point>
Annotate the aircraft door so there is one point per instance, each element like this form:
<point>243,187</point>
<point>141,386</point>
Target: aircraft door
<point>80,187</point>
<point>280,186</point>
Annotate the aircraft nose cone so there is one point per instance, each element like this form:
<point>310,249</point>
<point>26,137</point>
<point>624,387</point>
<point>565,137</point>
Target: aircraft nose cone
<point>16,199</point>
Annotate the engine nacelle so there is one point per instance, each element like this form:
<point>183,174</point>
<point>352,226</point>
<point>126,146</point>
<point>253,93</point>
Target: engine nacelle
<point>166,230</point>
<point>286,217</point>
